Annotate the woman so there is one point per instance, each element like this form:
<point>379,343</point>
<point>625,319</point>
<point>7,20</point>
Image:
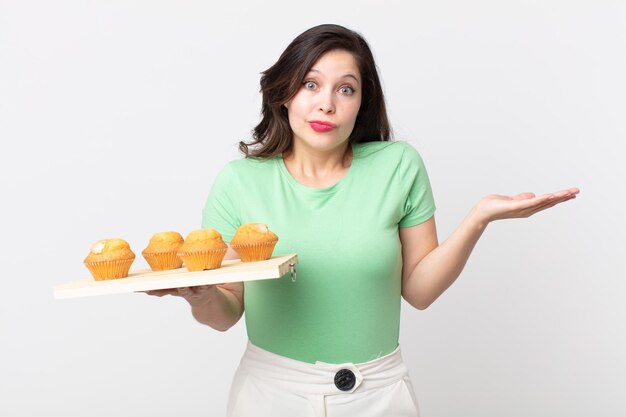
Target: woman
<point>358,209</point>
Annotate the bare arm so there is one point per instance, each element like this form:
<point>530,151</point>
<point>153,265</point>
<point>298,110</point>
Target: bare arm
<point>219,306</point>
<point>429,268</point>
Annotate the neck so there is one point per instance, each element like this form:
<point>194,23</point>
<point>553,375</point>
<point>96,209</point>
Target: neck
<point>318,169</point>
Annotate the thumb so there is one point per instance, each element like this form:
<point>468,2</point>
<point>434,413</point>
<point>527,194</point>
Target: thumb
<point>524,196</point>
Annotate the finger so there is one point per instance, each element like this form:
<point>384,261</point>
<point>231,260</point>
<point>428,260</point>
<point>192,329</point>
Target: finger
<point>573,190</point>
<point>562,193</point>
<point>185,291</point>
<point>550,204</point>
<point>548,196</point>
<point>526,208</point>
<point>157,293</point>
<point>566,192</point>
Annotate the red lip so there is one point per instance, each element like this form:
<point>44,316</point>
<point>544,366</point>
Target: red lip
<point>320,126</point>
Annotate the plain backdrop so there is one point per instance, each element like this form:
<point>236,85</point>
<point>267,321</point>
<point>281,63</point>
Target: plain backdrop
<point>115,117</point>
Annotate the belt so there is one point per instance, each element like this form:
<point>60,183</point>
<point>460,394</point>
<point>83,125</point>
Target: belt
<point>323,378</point>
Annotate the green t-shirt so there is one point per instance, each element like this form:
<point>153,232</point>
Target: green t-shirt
<point>345,303</point>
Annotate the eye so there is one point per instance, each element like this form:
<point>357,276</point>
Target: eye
<point>347,90</point>
<point>310,85</point>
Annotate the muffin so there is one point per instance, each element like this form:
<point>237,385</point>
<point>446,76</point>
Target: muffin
<point>254,242</point>
<point>109,259</point>
<point>203,249</point>
<point>161,251</point>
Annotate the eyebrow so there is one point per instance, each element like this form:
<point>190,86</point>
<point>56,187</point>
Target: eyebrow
<point>349,75</point>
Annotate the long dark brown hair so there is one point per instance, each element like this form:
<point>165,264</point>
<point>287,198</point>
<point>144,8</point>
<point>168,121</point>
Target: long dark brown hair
<point>279,83</point>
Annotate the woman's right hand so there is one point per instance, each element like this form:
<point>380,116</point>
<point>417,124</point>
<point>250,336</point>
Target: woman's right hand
<point>219,306</point>
<point>194,295</point>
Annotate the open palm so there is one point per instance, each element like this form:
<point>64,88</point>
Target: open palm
<point>495,207</point>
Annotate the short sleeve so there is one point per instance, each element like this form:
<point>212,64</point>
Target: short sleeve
<point>419,205</point>
<point>220,210</point>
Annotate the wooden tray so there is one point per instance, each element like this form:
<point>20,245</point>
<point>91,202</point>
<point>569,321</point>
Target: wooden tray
<point>232,270</point>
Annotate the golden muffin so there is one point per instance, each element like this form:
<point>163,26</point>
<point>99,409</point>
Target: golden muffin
<point>161,251</point>
<point>203,249</point>
<point>254,242</point>
<point>109,259</point>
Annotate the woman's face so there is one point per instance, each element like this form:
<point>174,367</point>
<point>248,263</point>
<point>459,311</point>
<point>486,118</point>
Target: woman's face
<point>323,112</point>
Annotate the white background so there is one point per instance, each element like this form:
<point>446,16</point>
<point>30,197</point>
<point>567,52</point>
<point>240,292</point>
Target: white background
<point>115,116</point>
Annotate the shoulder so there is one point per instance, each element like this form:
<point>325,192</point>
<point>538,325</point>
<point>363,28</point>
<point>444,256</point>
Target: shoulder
<point>246,166</point>
<point>247,163</point>
<point>392,151</point>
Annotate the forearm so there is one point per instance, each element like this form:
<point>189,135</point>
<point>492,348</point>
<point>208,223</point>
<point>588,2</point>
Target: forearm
<point>441,267</point>
<point>220,310</point>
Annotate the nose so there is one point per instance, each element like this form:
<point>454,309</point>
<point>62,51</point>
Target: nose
<point>327,108</point>
<point>326,104</point>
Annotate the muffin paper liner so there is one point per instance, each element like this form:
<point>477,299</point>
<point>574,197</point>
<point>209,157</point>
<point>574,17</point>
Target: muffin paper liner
<point>161,261</point>
<point>103,270</point>
<point>250,252</point>
<point>201,260</point>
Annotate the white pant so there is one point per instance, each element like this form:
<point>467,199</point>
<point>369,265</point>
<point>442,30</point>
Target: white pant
<point>267,384</point>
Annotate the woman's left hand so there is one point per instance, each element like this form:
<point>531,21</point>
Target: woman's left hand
<point>496,207</point>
